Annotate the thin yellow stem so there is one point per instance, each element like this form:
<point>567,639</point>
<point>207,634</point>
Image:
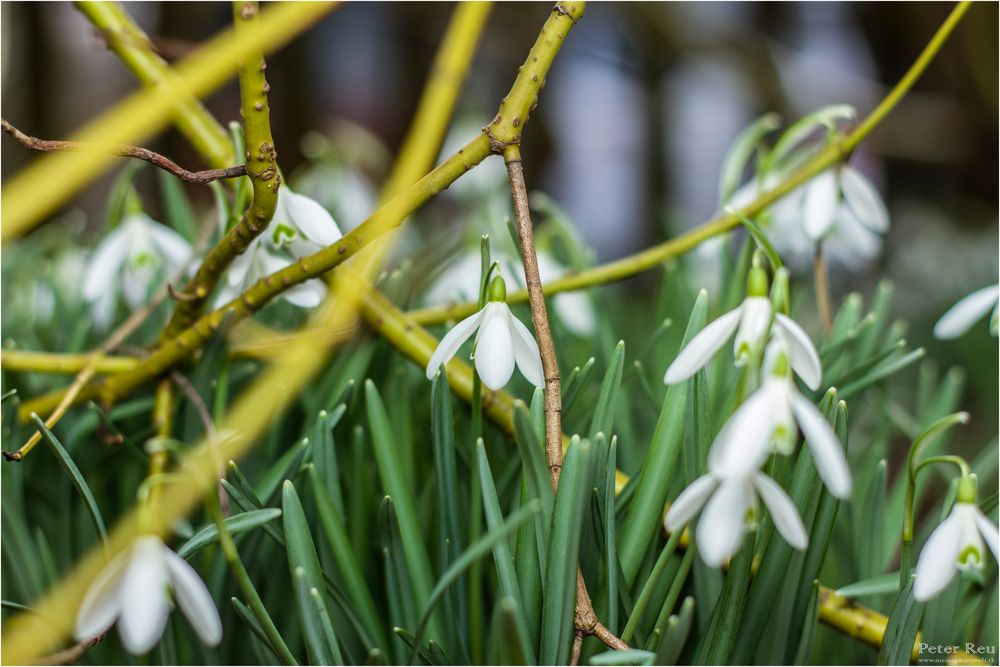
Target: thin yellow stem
<point>655,255</point>
<point>64,364</point>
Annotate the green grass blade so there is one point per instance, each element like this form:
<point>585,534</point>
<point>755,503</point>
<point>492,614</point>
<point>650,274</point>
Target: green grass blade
<point>901,632</point>
<point>343,554</point>
<point>651,490</point>
<point>303,562</point>
<point>533,458</point>
<point>676,634</point>
<point>603,417</point>
<point>804,650</point>
<point>474,552</point>
<point>394,483</point>
<point>237,523</point>
<point>75,476</point>
<point>508,637</point>
<point>564,539</point>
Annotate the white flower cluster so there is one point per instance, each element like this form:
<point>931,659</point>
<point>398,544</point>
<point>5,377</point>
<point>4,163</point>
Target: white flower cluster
<point>767,422</point>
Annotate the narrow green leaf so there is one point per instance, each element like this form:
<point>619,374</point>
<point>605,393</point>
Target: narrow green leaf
<point>508,636</point>
<point>343,555</point>
<point>237,523</point>
<point>716,644</point>
<point>576,380</point>
<point>494,521</point>
<point>612,567</point>
<point>564,539</point>
<point>421,650</point>
<point>393,481</point>
<point>446,492</point>
<point>648,588</point>
<point>324,454</point>
<point>804,650</point>
<point>603,417</point>
<point>533,458</point>
<point>284,469</point>
<point>676,635</point>
<point>871,553</point>
<point>74,474</point>
<point>651,490</point>
<point>884,583</point>
<point>246,615</point>
<point>303,563</point>
<point>474,552</point>
<point>901,632</point>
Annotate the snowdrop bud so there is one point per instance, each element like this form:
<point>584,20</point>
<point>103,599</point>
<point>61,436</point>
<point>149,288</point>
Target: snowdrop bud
<point>498,289</point>
<point>966,490</point>
<point>757,282</point>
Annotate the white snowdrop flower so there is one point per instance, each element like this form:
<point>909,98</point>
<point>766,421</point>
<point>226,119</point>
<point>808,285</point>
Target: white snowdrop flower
<point>751,321</point>
<point>501,342</point>
<point>459,281</point>
<point>843,209</point>
<point>134,590</point>
<point>956,544</point>
<point>300,227</point>
<point>969,310</point>
<point>131,259</point>
<point>729,494</point>
<point>777,411</point>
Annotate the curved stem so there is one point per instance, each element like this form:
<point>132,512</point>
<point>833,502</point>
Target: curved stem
<point>262,168</point>
<point>655,255</point>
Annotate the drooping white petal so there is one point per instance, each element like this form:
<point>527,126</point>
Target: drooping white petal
<point>172,246</point>
<point>525,350</point>
<point>801,352</point>
<point>936,564</point>
<point>689,502</point>
<point>239,270</point>
<point>819,205</point>
<point>828,453</point>
<point>742,443</point>
<point>851,243</point>
<point>783,511</point>
<point>101,604</point>
<point>144,597</point>
<point>971,551</point>
<point>314,221</point>
<point>453,340</point>
<point>864,199</point>
<point>703,347</point>
<point>721,527</point>
<point>306,295</point>
<point>193,598</point>
<point>989,531</point>
<point>966,312</point>
<point>576,312</point>
<point>103,310</point>
<point>136,282</point>
<point>494,347</point>
<point>104,265</point>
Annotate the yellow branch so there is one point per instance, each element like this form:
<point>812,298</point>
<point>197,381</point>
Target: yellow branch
<point>51,179</point>
<point>66,364</point>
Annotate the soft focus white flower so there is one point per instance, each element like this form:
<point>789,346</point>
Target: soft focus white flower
<point>842,208</point>
<point>300,227</point>
<point>729,495</point>
<point>956,544</point>
<point>751,321</point>
<point>969,310</point>
<point>501,342</point>
<point>133,258</point>
<point>460,282</point>
<point>134,590</point>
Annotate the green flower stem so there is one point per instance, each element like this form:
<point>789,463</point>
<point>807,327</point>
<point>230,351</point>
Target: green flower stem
<point>913,468</point>
<point>132,46</point>
<point>655,255</point>
<point>232,555</point>
<point>262,168</point>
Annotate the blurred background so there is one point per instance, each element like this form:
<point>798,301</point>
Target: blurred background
<point>630,133</point>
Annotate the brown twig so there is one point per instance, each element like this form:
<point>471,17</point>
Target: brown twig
<point>822,288</point>
<point>574,658</point>
<point>585,619</point>
<point>72,654</point>
<point>201,177</point>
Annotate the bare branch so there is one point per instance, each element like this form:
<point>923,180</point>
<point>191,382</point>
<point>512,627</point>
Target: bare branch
<point>201,177</point>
